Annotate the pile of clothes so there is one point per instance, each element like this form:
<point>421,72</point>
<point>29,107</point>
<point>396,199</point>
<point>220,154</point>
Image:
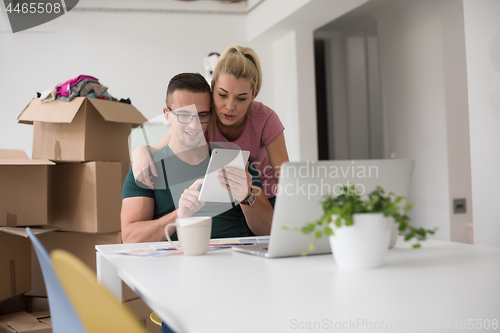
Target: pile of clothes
<point>82,85</point>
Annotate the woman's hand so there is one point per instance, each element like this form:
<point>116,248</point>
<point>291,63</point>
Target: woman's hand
<point>142,165</point>
<point>188,203</point>
<point>237,181</point>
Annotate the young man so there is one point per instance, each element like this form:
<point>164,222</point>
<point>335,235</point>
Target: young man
<point>181,166</point>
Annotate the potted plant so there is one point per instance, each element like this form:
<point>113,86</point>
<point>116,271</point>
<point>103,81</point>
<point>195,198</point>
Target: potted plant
<point>359,228</point>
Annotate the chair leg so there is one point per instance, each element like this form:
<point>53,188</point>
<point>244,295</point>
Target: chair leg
<point>155,319</point>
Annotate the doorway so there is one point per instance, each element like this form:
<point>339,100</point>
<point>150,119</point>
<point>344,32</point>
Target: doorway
<point>348,90</point>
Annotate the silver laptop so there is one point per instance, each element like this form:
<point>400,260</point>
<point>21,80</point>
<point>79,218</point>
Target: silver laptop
<point>302,185</point>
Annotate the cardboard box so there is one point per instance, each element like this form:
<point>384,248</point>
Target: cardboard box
<point>15,265</point>
<point>85,197</point>
<point>125,169</point>
<point>12,305</point>
<point>36,304</point>
<point>26,323</point>
<point>84,129</point>
<point>81,245</point>
<point>43,317</point>
<point>142,312</point>
<point>78,244</point>
<point>23,189</point>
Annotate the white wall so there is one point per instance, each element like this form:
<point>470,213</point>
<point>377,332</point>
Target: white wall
<point>457,118</point>
<point>482,39</point>
<point>266,56</point>
<point>297,111</point>
<point>414,105</point>
<point>283,31</point>
<point>285,75</point>
<point>133,53</point>
<point>269,13</point>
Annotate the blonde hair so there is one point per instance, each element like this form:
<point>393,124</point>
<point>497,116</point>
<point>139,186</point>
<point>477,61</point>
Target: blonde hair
<point>242,63</point>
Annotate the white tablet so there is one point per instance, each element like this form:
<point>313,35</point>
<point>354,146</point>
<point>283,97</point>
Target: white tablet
<point>211,191</point>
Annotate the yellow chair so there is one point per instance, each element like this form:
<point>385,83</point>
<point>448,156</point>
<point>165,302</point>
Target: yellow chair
<point>97,308</point>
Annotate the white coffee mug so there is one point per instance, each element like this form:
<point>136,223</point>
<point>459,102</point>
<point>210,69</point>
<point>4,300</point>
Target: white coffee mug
<point>193,234</point>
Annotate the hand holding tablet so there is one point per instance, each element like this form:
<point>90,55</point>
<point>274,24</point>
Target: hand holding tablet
<point>237,181</point>
<point>231,165</point>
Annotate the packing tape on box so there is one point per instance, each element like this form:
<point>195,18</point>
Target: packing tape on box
<point>11,220</point>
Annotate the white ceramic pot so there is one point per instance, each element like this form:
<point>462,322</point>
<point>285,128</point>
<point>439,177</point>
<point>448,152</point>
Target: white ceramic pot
<point>394,233</point>
<point>362,245</point>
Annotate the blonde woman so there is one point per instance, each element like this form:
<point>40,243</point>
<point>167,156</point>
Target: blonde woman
<point>238,119</point>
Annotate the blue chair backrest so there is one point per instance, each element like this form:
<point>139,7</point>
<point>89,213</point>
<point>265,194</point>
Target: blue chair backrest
<point>63,315</point>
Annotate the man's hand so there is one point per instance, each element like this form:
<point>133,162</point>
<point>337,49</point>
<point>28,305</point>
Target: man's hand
<point>188,203</point>
<point>142,164</point>
<point>237,181</point>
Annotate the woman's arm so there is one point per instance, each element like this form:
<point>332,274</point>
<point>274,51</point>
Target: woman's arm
<point>142,163</point>
<point>259,215</point>
<point>278,154</point>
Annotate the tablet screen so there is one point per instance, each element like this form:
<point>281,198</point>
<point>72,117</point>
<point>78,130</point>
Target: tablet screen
<point>211,191</point>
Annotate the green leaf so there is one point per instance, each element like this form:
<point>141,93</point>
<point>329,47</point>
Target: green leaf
<point>327,219</point>
<point>432,231</point>
<point>420,232</point>
<point>346,209</point>
<point>416,246</point>
<point>310,248</point>
<point>335,210</point>
<point>409,236</point>
<point>285,227</point>
<point>308,228</point>
<point>349,202</point>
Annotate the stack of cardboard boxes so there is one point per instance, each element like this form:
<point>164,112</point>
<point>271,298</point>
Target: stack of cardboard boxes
<point>73,184</point>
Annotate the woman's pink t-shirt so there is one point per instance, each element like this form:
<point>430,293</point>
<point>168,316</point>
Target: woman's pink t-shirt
<point>262,127</point>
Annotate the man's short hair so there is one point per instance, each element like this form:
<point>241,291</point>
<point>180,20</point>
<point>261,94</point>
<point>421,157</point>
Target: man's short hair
<point>192,82</point>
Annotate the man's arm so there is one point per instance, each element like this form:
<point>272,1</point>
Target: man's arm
<point>137,221</point>
<point>137,216</point>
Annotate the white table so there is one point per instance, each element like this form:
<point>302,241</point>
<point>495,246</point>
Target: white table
<point>436,288</point>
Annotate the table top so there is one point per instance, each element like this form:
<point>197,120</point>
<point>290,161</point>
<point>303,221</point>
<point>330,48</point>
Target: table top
<point>428,289</point>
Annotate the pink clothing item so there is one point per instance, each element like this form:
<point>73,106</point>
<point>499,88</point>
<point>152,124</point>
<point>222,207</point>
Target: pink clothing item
<point>262,127</point>
<point>65,88</point>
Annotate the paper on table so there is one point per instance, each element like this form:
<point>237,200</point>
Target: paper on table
<point>164,249</point>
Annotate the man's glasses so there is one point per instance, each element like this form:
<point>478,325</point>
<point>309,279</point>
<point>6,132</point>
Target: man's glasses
<point>186,118</point>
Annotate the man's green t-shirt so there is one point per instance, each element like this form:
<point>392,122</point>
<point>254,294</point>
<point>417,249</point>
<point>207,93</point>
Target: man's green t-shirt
<point>174,176</point>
